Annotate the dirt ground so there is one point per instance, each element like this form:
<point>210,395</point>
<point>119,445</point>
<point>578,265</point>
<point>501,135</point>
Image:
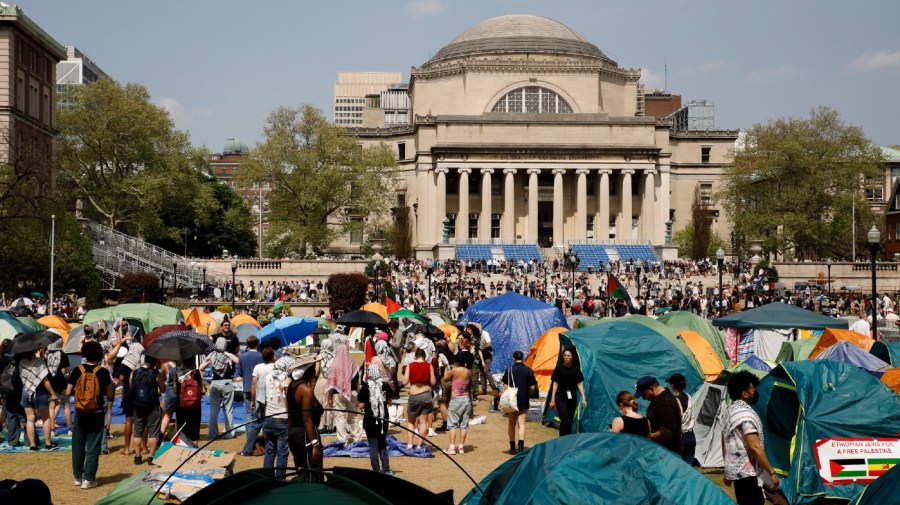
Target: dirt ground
<point>486,448</point>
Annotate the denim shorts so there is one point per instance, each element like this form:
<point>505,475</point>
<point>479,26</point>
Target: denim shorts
<point>458,413</point>
<point>39,400</point>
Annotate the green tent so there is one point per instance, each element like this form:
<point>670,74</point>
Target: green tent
<point>889,352</point>
<point>132,491</point>
<point>782,316</point>
<point>680,320</point>
<point>31,323</point>
<point>409,315</point>
<point>592,468</point>
<point>884,491</point>
<point>11,326</point>
<point>613,356</point>
<point>146,315</point>
<point>797,350</point>
<point>802,403</point>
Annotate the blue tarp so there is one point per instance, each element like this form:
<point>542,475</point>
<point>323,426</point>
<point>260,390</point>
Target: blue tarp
<point>757,363</point>
<point>847,352</point>
<point>514,322</point>
<point>592,468</point>
<point>361,449</point>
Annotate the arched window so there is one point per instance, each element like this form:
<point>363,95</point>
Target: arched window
<point>532,99</point>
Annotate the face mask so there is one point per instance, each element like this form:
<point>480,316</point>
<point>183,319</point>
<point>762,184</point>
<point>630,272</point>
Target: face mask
<point>753,399</point>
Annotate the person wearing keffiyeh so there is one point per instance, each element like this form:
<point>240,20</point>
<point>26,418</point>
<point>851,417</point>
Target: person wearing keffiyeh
<point>275,427</point>
<point>342,378</point>
<point>326,358</point>
<point>57,365</point>
<point>37,396</point>
<point>373,401</point>
<point>221,389</point>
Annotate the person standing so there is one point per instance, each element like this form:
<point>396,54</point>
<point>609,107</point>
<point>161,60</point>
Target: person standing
<point>567,382</point>
<point>373,396</point>
<point>275,427</point>
<point>678,384</point>
<point>189,391</point>
<point>743,445</point>
<point>37,395</point>
<point>58,364</point>
<point>419,375</point>
<point>459,381</point>
<point>304,414</point>
<point>343,379</point>
<point>221,389</point>
<point>147,383</point>
<point>630,421</point>
<point>91,385</point>
<point>521,377</point>
<point>664,413</point>
<point>246,363</point>
<point>326,357</point>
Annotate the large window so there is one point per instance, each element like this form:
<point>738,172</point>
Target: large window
<point>532,99</point>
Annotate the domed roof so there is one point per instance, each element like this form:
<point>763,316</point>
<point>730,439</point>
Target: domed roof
<point>519,33</point>
<point>235,146</point>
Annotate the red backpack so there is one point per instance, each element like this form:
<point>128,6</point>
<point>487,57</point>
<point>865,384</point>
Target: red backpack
<point>189,392</point>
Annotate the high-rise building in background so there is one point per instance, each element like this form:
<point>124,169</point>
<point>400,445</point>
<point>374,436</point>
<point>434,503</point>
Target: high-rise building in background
<point>351,90</point>
<point>75,70</point>
<point>28,58</point>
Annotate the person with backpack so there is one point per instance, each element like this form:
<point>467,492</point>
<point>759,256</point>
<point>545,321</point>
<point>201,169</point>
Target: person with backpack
<point>91,385</point>
<point>189,390</point>
<point>221,389</point>
<point>37,396</point>
<point>146,385</point>
<point>11,390</point>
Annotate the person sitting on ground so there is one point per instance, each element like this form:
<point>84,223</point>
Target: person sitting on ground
<point>630,421</point>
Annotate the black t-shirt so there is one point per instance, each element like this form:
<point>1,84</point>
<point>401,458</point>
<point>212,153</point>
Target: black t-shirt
<point>370,424</point>
<point>233,346</point>
<point>567,379</point>
<point>58,381</point>
<point>665,417</point>
<point>102,376</point>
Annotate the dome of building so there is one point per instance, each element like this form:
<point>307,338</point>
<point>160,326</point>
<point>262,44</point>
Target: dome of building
<point>235,146</point>
<point>519,33</point>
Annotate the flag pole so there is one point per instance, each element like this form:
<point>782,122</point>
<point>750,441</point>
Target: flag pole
<point>52,257</point>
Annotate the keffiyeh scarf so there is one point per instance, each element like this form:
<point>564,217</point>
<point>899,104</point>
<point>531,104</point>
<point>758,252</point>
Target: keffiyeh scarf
<point>326,353</point>
<point>376,393</point>
<point>384,352</point>
<point>32,371</point>
<point>54,357</point>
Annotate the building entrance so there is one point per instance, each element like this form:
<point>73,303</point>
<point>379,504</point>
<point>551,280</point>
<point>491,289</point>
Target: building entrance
<point>545,224</point>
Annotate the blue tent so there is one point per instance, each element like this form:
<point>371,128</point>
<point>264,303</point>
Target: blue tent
<point>592,468</point>
<point>847,352</point>
<point>884,491</point>
<point>613,356</point>
<point>514,322</point>
<point>889,352</point>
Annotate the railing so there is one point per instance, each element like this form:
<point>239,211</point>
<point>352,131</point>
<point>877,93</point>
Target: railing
<point>492,241</point>
<point>879,267</point>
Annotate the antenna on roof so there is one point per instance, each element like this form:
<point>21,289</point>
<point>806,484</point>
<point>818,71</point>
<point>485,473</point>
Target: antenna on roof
<point>665,74</point>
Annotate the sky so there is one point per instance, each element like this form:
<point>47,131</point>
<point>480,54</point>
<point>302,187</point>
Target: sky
<point>221,67</point>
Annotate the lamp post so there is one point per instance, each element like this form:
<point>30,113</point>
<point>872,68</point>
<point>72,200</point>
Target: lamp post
<point>874,237</point>
<point>376,246</point>
<point>430,272</point>
<point>720,261</point>
<point>234,265</point>
<point>174,280</point>
<point>828,264</point>
<point>52,258</point>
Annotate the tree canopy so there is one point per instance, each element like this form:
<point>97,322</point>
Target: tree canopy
<point>795,180</point>
<point>324,183</point>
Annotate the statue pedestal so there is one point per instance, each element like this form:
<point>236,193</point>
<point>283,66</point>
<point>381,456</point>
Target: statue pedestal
<point>443,252</point>
<point>668,252</point>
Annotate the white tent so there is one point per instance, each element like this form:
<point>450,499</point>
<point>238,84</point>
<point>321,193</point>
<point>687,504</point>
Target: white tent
<point>709,405</point>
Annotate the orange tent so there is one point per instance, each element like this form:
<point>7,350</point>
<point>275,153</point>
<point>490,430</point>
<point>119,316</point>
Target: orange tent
<point>376,308</point>
<point>201,321</point>
<point>892,379</point>
<point>831,336</point>
<point>450,331</point>
<point>57,323</point>
<point>244,318</point>
<point>543,356</point>
<point>704,352</point>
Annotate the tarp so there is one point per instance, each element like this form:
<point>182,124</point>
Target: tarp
<point>593,468</point>
<point>884,491</point>
<point>847,352</point>
<point>132,491</point>
<point>709,401</point>
<point>709,361</point>
<point>832,336</point>
<point>781,316</point>
<point>514,322</point>
<point>613,356</point>
<point>797,350</point>
<point>892,379</point>
<point>889,352</point>
<point>360,449</point>
<point>543,356</point>
<point>147,315</point>
<point>686,320</point>
<point>803,402</point>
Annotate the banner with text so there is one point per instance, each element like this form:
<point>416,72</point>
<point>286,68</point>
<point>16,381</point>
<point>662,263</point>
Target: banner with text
<point>850,460</point>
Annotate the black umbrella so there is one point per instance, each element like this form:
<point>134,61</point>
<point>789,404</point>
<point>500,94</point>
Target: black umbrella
<point>429,330</point>
<point>32,341</point>
<point>362,319</point>
<point>179,345</point>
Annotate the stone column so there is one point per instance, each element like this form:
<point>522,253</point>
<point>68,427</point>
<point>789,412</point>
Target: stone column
<point>462,217</point>
<point>509,204</point>
<point>581,204</point>
<point>423,226</point>
<point>558,207</point>
<point>663,205</point>
<point>648,207</point>
<point>484,220</point>
<point>623,230</point>
<point>602,219</point>
<point>533,203</point>
<point>440,201</point>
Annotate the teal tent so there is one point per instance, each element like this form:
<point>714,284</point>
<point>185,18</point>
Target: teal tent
<point>884,491</point>
<point>10,326</point>
<point>147,316</point>
<point>889,352</point>
<point>804,402</point>
<point>681,320</point>
<point>779,316</point>
<point>592,468</point>
<point>797,350</point>
<point>613,356</point>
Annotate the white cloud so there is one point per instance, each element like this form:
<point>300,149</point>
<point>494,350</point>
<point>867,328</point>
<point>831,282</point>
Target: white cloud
<point>651,80</point>
<point>876,60</point>
<point>425,7</point>
<point>777,74</point>
<point>714,64</point>
<point>181,115</point>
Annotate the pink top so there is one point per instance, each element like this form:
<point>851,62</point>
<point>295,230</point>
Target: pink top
<point>460,387</point>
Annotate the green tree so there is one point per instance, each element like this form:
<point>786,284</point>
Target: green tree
<point>324,184</point>
<point>701,225</point>
<point>795,180</point>
<point>684,239</point>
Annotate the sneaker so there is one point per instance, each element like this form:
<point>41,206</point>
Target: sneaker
<point>138,460</point>
<point>51,447</point>
<point>451,451</point>
<point>33,448</point>
<point>89,484</point>
<point>460,449</point>
<point>77,481</point>
<point>388,472</point>
<point>431,432</point>
<point>105,452</point>
<point>409,447</point>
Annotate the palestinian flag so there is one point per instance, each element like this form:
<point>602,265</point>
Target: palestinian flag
<point>392,306</point>
<point>880,466</point>
<point>849,468</point>
<point>615,289</point>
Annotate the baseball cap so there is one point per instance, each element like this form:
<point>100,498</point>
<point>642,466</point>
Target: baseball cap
<point>643,384</point>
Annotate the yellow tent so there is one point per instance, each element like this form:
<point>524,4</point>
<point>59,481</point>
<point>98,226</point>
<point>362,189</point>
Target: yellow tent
<point>543,356</point>
<point>704,352</point>
<point>376,308</point>
<point>57,323</point>
<point>892,379</point>
<point>831,336</point>
<point>244,318</point>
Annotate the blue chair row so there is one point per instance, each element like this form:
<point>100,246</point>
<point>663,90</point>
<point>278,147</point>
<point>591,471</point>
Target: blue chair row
<point>524,252</point>
<point>590,255</point>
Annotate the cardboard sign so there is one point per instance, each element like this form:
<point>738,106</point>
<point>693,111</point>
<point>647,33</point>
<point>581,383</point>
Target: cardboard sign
<point>855,460</point>
<point>174,455</point>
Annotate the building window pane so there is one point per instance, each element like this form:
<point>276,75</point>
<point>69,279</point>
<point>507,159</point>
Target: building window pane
<point>495,225</point>
<point>473,225</point>
<point>706,193</point>
<point>451,225</point>
<point>532,99</point>
<point>704,154</point>
<point>356,233</point>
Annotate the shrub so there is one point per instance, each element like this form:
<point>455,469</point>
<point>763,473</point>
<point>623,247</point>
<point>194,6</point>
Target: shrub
<point>224,309</point>
<point>346,292</point>
<point>141,286</point>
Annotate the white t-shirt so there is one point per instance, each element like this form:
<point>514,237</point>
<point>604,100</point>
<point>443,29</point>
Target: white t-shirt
<point>485,338</point>
<point>261,371</point>
<point>276,401</point>
<point>862,326</point>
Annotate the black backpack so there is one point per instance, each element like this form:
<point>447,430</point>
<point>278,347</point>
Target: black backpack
<point>144,390</point>
<point>10,382</point>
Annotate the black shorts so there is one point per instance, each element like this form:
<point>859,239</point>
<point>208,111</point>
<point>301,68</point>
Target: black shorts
<point>127,405</point>
<point>420,404</point>
<point>149,418</point>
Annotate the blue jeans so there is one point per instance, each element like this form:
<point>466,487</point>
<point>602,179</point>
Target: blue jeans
<point>276,433</point>
<point>255,418</point>
<point>15,420</point>
<point>221,395</point>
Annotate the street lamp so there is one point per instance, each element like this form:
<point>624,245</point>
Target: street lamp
<point>638,271</point>
<point>720,261</point>
<point>234,263</point>
<point>572,259</point>
<point>376,246</point>
<point>828,264</point>
<point>174,280</point>
<point>874,237</point>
